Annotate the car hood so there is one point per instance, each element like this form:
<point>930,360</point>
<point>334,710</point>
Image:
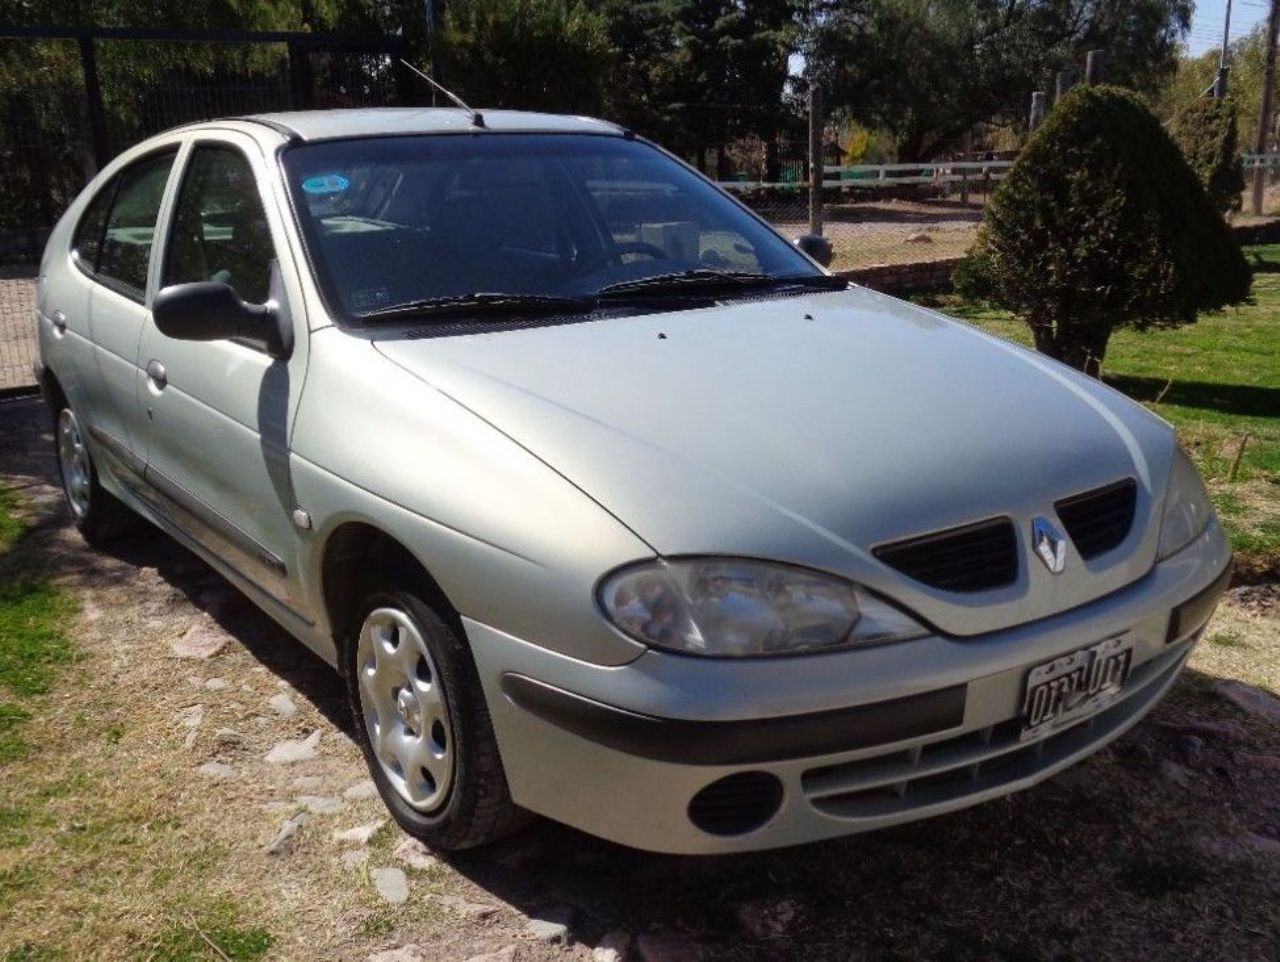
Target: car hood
<point>811,428</point>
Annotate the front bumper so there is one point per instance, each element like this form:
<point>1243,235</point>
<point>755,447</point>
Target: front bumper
<point>850,742</point>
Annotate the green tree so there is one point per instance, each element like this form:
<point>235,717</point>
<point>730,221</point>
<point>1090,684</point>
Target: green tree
<point>531,54</point>
<point>927,71</point>
<point>1194,75</point>
<point>1206,132</point>
<point>1101,223</point>
<point>698,73</point>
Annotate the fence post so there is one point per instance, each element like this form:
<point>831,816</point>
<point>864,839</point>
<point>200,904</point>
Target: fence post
<point>1093,67</point>
<point>404,78</point>
<point>1064,83</point>
<point>1037,109</point>
<point>300,80</point>
<point>816,161</point>
<point>93,99</point>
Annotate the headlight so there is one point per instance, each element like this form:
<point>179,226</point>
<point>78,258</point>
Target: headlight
<point>729,607</point>
<point>1186,507</point>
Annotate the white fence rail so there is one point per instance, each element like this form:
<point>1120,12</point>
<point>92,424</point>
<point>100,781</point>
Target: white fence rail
<point>1269,161</point>
<point>970,172</point>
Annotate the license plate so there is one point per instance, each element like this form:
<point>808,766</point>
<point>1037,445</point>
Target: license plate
<point>1073,686</point>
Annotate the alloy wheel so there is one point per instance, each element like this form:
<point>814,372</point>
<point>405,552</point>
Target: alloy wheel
<point>73,459</point>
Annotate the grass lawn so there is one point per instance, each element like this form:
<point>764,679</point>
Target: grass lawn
<point>1218,382</point>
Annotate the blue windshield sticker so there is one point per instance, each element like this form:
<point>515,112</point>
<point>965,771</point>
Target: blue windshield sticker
<point>326,184</point>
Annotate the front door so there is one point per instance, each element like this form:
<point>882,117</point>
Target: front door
<point>219,411</point>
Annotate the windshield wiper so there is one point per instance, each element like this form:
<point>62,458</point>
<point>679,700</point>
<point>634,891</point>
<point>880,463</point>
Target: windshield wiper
<point>480,301</point>
<point>702,277</point>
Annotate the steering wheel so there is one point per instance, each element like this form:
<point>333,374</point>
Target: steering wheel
<point>617,251</point>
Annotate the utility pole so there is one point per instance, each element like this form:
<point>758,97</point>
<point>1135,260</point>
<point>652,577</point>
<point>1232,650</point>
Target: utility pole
<point>1220,85</point>
<point>817,160</point>
<point>1264,114</point>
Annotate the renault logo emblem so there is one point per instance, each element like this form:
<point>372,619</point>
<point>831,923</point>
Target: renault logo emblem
<point>1049,545</point>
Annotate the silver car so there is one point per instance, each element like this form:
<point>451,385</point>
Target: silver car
<point>610,504</point>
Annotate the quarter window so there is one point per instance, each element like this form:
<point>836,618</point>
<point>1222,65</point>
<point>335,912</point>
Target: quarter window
<point>220,230</point>
<point>131,225</point>
<point>87,243</point>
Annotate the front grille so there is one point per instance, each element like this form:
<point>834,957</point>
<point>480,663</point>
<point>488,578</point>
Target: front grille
<point>977,761</point>
<point>1099,520</point>
<point>975,557</point>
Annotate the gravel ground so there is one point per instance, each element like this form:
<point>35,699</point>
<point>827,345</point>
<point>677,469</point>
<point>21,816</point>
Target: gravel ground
<point>163,801</point>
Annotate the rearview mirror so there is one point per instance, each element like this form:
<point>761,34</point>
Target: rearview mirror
<point>213,311</point>
<point>819,248</point>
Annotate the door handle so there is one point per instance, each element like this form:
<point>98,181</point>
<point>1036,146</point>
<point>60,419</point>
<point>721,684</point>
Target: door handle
<point>156,372</point>
<point>59,322</point>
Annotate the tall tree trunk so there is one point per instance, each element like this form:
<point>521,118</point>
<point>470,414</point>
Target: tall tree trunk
<point>772,165</point>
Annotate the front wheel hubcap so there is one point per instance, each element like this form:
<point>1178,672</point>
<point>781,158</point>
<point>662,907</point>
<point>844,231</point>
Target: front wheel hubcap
<point>404,708</point>
<point>73,459</point>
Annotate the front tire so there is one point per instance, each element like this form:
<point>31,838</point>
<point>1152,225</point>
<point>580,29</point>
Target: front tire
<point>423,725</point>
<point>95,512</point>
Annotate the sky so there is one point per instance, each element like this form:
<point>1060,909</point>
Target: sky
<point>1206,25</point>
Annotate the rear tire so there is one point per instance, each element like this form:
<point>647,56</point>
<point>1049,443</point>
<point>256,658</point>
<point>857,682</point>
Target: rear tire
<point>96,513</point>
<point>423,724</point>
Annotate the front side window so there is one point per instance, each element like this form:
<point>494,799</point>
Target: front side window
<point>220,230</point>
<point>131,225</point>
<point>396,221</point>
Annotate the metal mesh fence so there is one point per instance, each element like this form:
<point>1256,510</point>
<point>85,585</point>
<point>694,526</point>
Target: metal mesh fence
<point>50,145</point>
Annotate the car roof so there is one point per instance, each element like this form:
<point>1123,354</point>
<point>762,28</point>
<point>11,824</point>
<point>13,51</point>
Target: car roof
<point>312,125</point>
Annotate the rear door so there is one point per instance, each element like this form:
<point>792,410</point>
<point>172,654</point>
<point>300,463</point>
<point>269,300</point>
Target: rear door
<point>102,303</point>
<point>219,412</point>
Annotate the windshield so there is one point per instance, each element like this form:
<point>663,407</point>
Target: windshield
<point>395,222</point>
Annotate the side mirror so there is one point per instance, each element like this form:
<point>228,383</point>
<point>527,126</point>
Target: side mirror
<point>819,248</point>
<point>212,311</point>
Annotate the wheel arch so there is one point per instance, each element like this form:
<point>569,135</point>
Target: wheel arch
<point>55,398</point>
<point>358,556</point>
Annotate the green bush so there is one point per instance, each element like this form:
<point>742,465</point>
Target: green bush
<point>1206,132</point>
<point>1101,224</point>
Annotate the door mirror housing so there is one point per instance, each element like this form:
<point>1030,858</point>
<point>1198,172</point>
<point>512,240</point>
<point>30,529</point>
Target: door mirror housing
<point>819,248</point>
<point>213,311</point>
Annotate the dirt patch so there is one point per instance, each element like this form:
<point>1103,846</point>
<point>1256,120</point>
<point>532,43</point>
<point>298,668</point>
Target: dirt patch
<point>142,819</point>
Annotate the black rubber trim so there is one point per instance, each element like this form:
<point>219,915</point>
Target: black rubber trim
<point>119,450</point>
<point>745,742</point>
<point>1192,614</point>
<point>164,485</point>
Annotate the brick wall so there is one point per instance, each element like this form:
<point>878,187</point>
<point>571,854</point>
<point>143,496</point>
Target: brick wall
<point>934,276</point>
<point>918,278</point>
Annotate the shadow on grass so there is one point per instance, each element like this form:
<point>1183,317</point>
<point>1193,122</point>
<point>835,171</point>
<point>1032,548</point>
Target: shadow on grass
<point>1237,399</point>
<point>26,451</point>
<point>1262,265</point>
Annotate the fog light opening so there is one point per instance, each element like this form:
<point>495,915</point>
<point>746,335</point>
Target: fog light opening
<point>736,804</point>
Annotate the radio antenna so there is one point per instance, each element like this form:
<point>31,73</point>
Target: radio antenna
<point>477,118</point>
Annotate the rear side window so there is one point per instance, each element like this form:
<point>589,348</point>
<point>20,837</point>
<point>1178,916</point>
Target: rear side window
<point>131,225</point>
<point>220,230</point>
